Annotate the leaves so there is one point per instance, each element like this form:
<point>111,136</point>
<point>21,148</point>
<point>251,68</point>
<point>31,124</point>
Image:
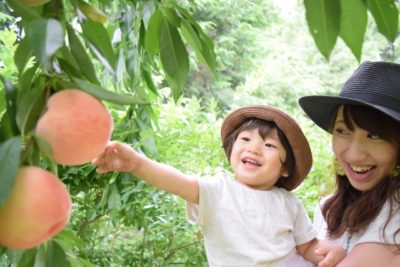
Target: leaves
<point>353,24</point>
<point>10,153</point>
<point>106,95</point>
<point>100,43</point>
<point>174,57</point>
<point>328,19</point>
<point>386,16</point>
<point>45,38</point>
<point>323,21</point>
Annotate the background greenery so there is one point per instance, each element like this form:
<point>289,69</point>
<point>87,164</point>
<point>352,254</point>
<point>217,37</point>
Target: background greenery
<point>235,53</point>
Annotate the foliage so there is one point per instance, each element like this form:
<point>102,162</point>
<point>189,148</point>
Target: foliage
<point>236,28</point>
<point>347,19</point>
<point>144,53</point>
<point>72,44</point>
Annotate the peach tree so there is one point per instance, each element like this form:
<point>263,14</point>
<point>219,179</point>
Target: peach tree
<point>119,52</point>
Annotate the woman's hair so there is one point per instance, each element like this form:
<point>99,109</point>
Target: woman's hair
<point>264,128</point>
<point>350,209</point>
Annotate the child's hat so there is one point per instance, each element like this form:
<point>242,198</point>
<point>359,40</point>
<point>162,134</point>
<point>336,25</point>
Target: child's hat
<point>373,84</point>
<point>292,131</point>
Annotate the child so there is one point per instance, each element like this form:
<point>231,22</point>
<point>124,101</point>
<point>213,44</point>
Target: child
<point>253,220</point>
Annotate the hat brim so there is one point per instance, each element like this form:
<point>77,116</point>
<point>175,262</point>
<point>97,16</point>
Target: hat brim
<point>322,109</point>
<point>294,134</point>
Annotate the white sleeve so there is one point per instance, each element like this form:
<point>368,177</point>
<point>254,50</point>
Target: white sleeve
<point>319,222</point>
<point>209,194</point>
<point>376,232</point>
<point>303,231</point>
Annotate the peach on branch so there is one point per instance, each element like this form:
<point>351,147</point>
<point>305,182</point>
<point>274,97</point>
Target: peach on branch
<point>76,125</point>
<point>39,206</point>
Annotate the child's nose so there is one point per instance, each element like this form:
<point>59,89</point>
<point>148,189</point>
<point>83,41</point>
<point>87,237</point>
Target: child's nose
<point>254,147</point>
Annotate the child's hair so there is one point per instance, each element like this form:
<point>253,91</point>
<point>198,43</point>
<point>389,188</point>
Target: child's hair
<point>349,209</point>
<point>264,128</point>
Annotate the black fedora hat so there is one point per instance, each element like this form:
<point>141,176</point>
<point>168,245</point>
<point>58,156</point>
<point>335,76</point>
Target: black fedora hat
<point>373,84</point>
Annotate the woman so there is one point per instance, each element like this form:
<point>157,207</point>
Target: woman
<point>364,119</point>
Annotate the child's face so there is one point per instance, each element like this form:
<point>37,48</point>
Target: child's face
<point>258,162</point>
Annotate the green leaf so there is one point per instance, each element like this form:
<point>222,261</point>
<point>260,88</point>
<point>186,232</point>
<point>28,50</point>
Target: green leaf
<point>11,93</point>
<point>22,10</point>
<point>172,17</point>
<point>45,37</point>
<point>152,37</point>
<point>200,47</point>
<point>104,94</point>
<point>353,24</point>
<point>79,52</point>
<point>10,153</point>
<point>386,17</point>
<point>29,108</point>
<point>323,18</point>
<point>174,58</point>
<point>146,75</point>
<point>98,37</point>
<point>22,54</point>
<point>207,45</point>
<point>56,255</point>
<point>27,77</point>
<point>28,258</point>
<point>114,198</point>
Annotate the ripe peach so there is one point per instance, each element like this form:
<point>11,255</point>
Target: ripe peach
<point>38,208</point>
<point>76,125</point>
<point>35,2</point>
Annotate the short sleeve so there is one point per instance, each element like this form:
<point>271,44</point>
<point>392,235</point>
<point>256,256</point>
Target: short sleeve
<point>209,194</point>
<point>378,231</point>
<point>303,230</point>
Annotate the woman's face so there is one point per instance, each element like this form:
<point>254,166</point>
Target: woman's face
<point>366,158</point>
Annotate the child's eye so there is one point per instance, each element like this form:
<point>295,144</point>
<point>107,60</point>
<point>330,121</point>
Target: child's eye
<point>270,145</point>
<point>245,139</point>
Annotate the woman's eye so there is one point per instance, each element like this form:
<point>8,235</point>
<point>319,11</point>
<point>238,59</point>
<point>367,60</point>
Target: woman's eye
<point>245,139</point>
<point>374,136</point>
<point>341,131</point>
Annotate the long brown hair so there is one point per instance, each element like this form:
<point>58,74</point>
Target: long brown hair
<point>350,209</point>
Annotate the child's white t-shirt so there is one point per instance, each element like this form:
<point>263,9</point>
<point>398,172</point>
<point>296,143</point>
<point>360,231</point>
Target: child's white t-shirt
<point>248,227</point>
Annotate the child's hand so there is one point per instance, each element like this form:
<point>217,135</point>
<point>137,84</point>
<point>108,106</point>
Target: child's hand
<point>116,156</point>
<point>333,254</point>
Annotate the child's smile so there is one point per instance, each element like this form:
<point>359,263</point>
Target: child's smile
<point>256,161</point>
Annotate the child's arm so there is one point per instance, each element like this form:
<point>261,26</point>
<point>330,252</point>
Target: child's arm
<point>120,157</point>
<point>321,252</point>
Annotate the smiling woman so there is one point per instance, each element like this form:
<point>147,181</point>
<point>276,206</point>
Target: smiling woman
<point>363,215</point>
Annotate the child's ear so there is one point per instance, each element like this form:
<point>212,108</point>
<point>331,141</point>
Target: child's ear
<point>284,172</point>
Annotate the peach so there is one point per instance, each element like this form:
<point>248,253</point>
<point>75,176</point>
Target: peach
<point>35,2</point>
<point>38,207</point>
<point>76,125</point>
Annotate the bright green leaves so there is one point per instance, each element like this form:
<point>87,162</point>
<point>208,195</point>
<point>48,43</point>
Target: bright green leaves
<point>10,153</point>
<point>152,38</point>
<point>45,38</point>
<point>323,20</point>
<point>168,29</point>
<point>174,57</point>
<point>100,43</point>
<point>353,25</point>
<point>386,16</point>
<point>328,19</point>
